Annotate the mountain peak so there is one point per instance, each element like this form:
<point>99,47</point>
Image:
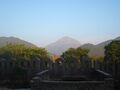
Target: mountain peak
<point>62,45</point>
<point>68,40</point>
<point>14,40</point>
<point>66,37</point>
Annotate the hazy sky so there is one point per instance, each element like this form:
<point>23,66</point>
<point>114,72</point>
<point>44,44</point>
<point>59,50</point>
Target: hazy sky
<point>44,21</point>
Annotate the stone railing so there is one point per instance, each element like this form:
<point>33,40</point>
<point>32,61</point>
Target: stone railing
<point>72,85</point>
<point>37,83</point>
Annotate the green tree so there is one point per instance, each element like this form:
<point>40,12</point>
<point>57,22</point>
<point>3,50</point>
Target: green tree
<point>19,51</point>
<point>112,59</point>
<point>72,57</point>
<point>112,51</point>
<point>73,54</point>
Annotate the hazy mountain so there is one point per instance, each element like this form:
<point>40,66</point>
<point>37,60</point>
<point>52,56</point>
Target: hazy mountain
<point>62,45</point>
<point>5,40</point>
<point>98,50</point>
<point>87,46</point>
<point>118,38</point>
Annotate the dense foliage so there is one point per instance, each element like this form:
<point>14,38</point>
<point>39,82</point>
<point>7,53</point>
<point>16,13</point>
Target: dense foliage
<point>19,51</point>
<point>112,51</point>
<point>75,54</point>
<point>73,57</point>
<point>112,61</point>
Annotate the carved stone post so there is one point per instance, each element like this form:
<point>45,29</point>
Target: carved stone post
<point>109,84</point>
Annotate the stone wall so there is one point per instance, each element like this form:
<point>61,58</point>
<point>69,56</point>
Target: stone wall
<point>43,82</point>
<point>31,66</point>
<point>72,85</point>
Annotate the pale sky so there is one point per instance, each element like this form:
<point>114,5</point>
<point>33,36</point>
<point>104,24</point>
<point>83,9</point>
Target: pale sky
<point>44,21</point>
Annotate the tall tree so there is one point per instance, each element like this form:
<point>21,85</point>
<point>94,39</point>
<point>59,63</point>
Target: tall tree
<point>112,51</point>
<point>73,54</point>
<point>72,57</point>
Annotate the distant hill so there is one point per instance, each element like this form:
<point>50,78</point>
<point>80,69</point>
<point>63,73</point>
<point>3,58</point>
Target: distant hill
<point>118,38</point>
<point>97,50</point>
<point>14,40</point>
<point>62,45</point>
<point>88,46</point>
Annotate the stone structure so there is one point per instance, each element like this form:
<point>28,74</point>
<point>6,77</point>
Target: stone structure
<point>42,82</point>
<point>31,66</point>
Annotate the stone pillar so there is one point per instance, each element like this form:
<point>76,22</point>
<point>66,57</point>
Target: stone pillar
<point>35,83</point>
<point>109,84</point>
